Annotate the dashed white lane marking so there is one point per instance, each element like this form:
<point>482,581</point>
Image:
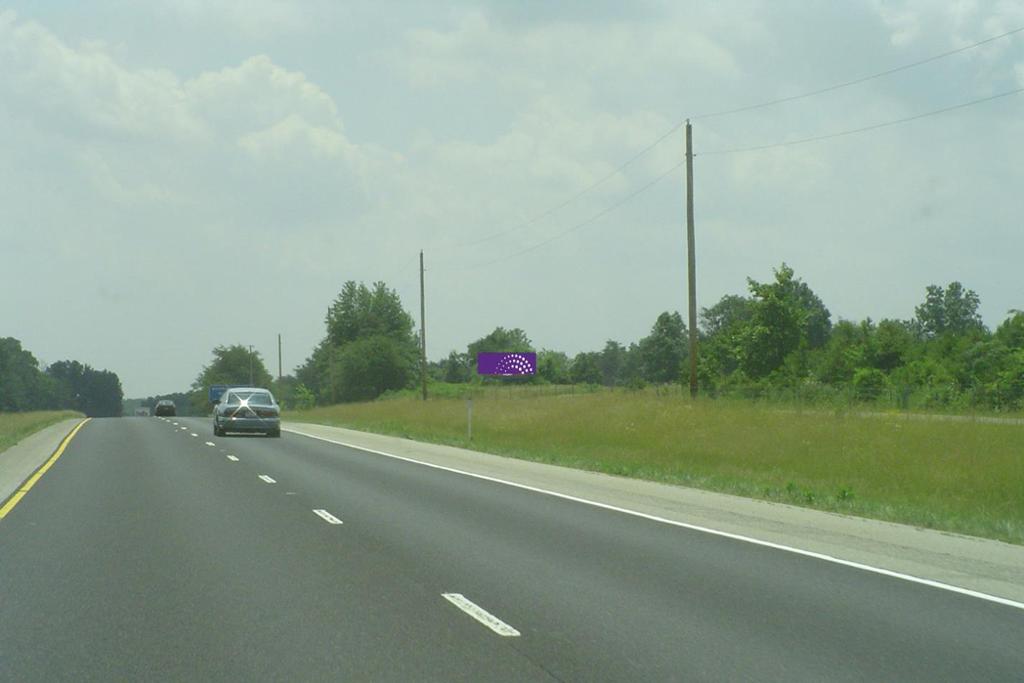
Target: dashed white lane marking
<point>184,429</point>
<point>327,516</point>
<point>175,424</point>
<point>268,479</point>
<point>210,443</point>
<point>232,458</point>
<point>480,614</point>
<point>194,434</point>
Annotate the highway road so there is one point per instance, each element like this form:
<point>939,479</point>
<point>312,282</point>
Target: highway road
<point>152,550</point>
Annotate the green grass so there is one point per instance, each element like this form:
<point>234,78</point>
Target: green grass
<point>16,426</point>
<point>962,476</point>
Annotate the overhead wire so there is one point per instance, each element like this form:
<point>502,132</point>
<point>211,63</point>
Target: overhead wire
<point>856,81</point>
<point>605,178</point>
<point>661,138</point>
<point>600,214</point>
<point>863,129</point>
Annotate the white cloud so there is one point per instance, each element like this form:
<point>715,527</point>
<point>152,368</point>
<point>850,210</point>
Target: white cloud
<point>544,56</point>
<point>446,127</point>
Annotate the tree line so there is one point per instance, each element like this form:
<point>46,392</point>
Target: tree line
<point>777,339</point>
<point>64,385</point>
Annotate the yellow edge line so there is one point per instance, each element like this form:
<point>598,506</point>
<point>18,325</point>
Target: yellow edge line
<point>31,481</point>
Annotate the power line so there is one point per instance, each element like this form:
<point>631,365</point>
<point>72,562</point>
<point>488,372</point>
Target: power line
<point>662,176</point>
<point>544,214</point>
<point>608,209</point>
<point>618,169</point>
<point>857,81</point>
<point>864,129</point>
<point>645,150</point>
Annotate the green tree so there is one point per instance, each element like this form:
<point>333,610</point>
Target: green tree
<point>786,315</point>
<point>894,341</point>
<point>849,348</point>
<point>359,312</point>
<point>1011,332</point>
<point>502,341</point>
<point>367,367</point>
<point>313,374</point>
<point>950,311</point>
<point>553,367</point>
<point>664,350</point>
<point>612,360</point>
<point>730,312</point>
<point>586,368</point>
<point>21,383</point>
<point>232,365</point>
<point>456,368</point>
<point>97,393</point>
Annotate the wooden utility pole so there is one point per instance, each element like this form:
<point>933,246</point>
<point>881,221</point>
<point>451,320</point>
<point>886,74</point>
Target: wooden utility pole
<point>691,262</point>
<point>279,374</point>
<point>423,332</point>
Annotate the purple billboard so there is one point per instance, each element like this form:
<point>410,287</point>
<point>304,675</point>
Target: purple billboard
<point>506,364</point>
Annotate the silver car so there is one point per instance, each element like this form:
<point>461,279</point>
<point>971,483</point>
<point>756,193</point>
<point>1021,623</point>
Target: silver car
<point>247,409</point>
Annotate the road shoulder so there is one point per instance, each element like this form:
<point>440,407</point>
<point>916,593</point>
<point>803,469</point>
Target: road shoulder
<point>19,461</point>
<point>983,565</point>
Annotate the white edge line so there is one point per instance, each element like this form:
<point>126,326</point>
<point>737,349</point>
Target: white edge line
<point>327,516</point>
<point>685,525</point>
<point>480,614</point>
<point>269,480</point>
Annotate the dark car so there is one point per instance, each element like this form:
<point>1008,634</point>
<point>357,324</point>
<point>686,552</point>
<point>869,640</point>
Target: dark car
<point>165,408</point>
<point>247,409</point>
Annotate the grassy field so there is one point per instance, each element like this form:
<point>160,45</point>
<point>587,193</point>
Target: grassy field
<point>16,426</point>
<point>958,475</point>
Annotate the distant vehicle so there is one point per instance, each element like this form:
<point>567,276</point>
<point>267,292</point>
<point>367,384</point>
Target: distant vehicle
<point>247,409</point>
<point>142,412</point>
<point>165,407</point>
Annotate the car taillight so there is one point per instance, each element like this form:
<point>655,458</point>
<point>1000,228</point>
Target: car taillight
<point>266,412</point>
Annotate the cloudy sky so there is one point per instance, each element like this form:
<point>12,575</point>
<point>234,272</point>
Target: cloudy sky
<point>177,175</point>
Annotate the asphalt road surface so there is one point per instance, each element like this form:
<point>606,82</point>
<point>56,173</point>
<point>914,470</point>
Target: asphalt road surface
<point>155,551</point>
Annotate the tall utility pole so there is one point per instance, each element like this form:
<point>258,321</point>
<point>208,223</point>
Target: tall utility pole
<point>279,375</point>
<point>691,262</point>
<point>423,332</point>
<point>251,379</point>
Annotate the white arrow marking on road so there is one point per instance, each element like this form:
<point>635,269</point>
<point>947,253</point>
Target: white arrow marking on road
<point>480,614</point>
<point>268,479</point>
<point>232,458</point>
<point>327,516</point>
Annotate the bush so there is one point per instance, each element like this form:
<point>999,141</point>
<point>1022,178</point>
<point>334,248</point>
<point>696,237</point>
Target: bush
<point>869,383</point>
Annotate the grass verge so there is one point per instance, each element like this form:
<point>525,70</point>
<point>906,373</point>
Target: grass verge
<point>16,426</point>
<point>963,476</point>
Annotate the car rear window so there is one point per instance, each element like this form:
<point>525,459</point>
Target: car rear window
<point>257,398</point>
